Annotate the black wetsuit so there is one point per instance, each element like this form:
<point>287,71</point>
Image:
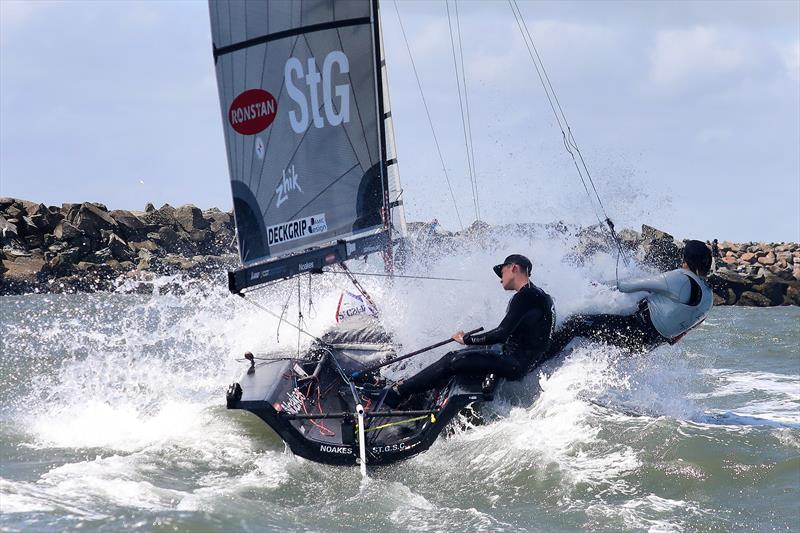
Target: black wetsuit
<point>632,332</point>
<point>510,350</point>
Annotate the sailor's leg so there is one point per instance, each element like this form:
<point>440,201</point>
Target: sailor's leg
<point>620,330</point>
<point>475,360</point>
<point>574,326</point>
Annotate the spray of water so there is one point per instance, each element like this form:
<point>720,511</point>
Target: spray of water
<point>130,388</point>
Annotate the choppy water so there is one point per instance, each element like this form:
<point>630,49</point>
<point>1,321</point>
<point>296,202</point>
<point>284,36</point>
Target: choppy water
<point>112,418</point>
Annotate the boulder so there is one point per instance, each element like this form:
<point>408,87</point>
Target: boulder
<point>102,255</point>
<point>730,296</point>
<point>199,235</point>
<point>13,211</point>
<point>773,288</point>
<point>91,219</point>
<point>23,269</point>
<point>190,218</point>
<point>149,207</point>
<point>13,252</point>
<point>113,264</point>
<point>119,248</point>
<point>61,265</point>
<point>651,233</point>
<point>44,219</point>
<point>218,216</point>
<point>753,299</point>
<point>7,229</point>
<point>748,257</point>
<point>83,244</point>
<point>25,226</point>
<point>136,246</point>
<point>129,224</point>
<point>167,236</point>
<point>663,254</point>
<point>163,216</point>
<point>722,280</point>
<point>65,231</point>
<point>70,211</point>
<point>34,240</point>
<point>180,262</point>
<point>28,206</point>
<point>792,296</point>
<point>6,202</point>
<point>767,259</point>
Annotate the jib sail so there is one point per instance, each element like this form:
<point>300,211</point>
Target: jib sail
<point>305,133</point>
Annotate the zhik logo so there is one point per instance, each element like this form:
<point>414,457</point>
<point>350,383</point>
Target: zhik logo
<point>287,184</point>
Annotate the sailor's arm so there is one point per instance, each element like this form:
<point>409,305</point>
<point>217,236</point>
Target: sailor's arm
<point>516,311</point>
<point>670,284</point>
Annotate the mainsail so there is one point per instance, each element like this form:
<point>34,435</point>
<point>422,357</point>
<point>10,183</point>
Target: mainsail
<point>303,97</point>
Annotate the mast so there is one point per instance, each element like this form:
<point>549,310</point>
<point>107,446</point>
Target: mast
<point>386,211</point>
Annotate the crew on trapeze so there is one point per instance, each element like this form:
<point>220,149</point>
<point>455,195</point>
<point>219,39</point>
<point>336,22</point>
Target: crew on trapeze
<point>678,301</point>
<point>510,350</point>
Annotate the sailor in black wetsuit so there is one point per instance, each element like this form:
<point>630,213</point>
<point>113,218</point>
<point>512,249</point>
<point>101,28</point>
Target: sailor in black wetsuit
<point>510,350</point>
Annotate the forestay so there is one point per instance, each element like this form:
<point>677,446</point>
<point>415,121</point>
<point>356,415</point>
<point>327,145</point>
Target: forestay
<point>305,133</point>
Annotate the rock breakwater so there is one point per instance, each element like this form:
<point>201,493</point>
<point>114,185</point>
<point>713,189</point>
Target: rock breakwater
<point>86,248</point>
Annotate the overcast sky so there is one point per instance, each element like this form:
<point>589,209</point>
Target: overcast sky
<point>687,113</point>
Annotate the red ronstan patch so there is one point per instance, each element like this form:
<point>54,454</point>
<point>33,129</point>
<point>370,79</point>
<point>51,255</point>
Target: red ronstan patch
<point>252,111</point>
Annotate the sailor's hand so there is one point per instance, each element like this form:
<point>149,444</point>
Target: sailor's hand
<point>458,336</point>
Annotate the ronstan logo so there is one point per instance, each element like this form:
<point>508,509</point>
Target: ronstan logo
<point>252,111</point>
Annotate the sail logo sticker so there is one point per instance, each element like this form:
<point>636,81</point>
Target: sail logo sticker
<point>335,99</point>
<point>294,401</point>
<point>296,229</point>
<point>351,305</point>
<point>252,112</point>
<point>287,184</point>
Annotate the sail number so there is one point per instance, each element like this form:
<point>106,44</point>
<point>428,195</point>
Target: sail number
<point>335,98</point>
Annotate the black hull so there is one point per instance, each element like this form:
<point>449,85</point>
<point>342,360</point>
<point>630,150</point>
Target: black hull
<point>311,404</point>
<point>463,391</point>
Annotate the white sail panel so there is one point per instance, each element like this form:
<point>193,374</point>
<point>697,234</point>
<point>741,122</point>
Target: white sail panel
<point>297,85</point>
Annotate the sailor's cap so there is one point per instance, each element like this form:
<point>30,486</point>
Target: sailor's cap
<point>514,259</point>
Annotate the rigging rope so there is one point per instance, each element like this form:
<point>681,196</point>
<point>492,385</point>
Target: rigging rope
<point>569,140</point>
<point>466,106</point>
<point>275,315</point>
<point>299,314</point>
<point>280,319</point>
<point>427,112</point>
<point>358,286</point>
<point>461,109</point>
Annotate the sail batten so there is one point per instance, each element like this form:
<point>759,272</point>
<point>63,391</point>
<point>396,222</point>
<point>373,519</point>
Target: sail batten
<point>301,95</point>
<point>263,39</point>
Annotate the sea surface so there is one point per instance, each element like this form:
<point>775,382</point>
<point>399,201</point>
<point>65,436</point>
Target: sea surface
<point>112,418</point>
